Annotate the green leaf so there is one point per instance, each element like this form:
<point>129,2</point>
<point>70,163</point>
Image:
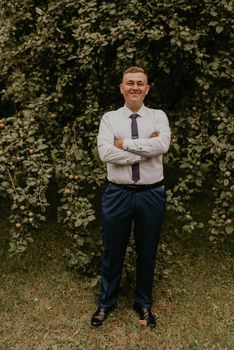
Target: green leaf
<point>229,230</point>
<point>219,29</point>
<point>39,11</point>
<point>213,138</point>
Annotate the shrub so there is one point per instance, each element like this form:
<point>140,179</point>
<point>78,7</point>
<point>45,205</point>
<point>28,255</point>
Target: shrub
<point>61,65</point>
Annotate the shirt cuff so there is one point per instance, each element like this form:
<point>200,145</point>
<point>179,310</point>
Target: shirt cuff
<point>130,145</point>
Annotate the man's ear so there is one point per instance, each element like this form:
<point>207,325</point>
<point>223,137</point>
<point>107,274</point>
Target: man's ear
<point>120,88</point>
<point>148,86</point>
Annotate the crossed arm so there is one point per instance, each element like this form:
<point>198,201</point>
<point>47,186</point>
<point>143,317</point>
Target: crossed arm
<point>129,151</point>
<point>119,142</point>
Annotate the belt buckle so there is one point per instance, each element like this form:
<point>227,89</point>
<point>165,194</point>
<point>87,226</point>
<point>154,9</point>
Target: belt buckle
<point>132,186</point>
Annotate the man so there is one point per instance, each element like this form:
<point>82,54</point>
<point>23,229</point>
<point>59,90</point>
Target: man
<point>132,141</point>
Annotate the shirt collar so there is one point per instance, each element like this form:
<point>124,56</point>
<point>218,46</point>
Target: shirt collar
<point>128,112</point>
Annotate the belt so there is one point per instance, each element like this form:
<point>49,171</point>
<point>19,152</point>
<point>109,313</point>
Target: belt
<point>134,187</point>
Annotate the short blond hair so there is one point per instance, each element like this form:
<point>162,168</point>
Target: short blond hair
<point>135,69</point>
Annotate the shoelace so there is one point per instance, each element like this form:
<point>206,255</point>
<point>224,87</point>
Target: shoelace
<point>146,313</point>
<point>100,314</point>
<point>102,311</point>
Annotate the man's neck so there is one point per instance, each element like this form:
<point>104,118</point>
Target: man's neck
<point>134,107</point>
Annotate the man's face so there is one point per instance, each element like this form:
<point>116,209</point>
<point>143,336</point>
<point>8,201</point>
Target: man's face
<point>134,88</point>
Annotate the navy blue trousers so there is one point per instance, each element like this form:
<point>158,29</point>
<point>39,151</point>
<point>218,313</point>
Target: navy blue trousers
<point>120,208</point>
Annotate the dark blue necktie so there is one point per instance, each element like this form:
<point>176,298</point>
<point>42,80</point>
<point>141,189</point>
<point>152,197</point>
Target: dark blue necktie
<point>135,167</point>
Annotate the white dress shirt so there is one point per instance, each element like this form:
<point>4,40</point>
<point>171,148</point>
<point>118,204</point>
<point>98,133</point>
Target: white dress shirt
<point>146,151</point>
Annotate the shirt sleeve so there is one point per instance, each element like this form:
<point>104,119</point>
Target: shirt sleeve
<point>108,152</point>
<point>154,146</point>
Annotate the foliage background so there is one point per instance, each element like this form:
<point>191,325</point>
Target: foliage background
<point>61,63</point>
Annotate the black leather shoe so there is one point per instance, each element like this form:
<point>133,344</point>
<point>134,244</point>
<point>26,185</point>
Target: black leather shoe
<point>145,315</point>
<point>100,315</point>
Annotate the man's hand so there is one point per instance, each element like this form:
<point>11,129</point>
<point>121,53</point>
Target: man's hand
<point>154,134</point>
<point>118,143</point>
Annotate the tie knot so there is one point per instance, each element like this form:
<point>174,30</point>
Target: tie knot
<point>134,116</point>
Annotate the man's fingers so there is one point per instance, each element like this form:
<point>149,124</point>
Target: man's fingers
<point>155,134</point>
<point>118,143</point>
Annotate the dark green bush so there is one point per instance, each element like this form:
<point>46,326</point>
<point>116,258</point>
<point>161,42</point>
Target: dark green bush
<point>61,64</point>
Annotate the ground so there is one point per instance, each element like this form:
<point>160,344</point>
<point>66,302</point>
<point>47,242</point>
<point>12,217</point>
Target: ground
<point>43,305</point>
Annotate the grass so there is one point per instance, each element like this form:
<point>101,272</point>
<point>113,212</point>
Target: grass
<point>45,306</point>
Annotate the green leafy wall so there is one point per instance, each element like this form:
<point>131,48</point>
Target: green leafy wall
<point>61,64</point>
